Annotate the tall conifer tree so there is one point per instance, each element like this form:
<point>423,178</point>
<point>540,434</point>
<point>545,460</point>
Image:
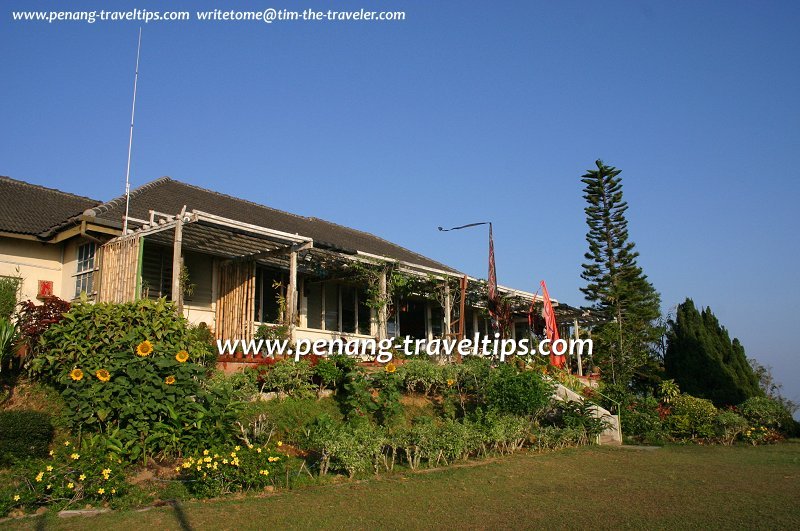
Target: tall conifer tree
<point>616,285</point>
<point>703,360</point>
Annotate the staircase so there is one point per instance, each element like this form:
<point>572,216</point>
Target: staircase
<point>612,435</point>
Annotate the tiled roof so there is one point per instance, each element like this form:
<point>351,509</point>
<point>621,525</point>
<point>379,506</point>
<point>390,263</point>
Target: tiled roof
<point>35,210</point>
<point>168,196</point>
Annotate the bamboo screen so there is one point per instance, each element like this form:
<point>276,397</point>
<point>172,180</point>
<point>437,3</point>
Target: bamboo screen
<point>119,270</point>
<point>236,301</point>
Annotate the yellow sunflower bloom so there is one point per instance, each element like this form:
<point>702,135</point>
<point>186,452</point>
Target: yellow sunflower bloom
<point>103,375</point>
<point>390,367</point>
<point>169,380</point>
<point>76,374</point>
<point>182,356</point>
<point>145,348</point>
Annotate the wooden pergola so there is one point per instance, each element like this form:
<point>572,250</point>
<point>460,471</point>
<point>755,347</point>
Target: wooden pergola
<point>239,245</point>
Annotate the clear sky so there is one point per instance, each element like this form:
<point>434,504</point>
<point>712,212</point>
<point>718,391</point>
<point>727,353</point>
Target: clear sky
<point>466,111</point>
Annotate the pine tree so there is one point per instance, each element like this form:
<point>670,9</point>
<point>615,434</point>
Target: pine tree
<point>616,285</point>
<point>703,360</point>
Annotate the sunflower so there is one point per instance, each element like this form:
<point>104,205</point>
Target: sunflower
<point>145,348</point>
<point>76,374</point>
<point>182,356</point>
<point>390,367</point>
<point>169,380</point>
<point>103,375</point>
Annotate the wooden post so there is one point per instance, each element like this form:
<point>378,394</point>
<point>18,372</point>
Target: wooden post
<point>448,303</point>
<point>291,291</point>
<point>177,262</point>
<point>383,310</point>
<point>577,337</point>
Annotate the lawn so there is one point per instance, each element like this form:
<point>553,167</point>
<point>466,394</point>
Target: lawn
<point>670,487</point>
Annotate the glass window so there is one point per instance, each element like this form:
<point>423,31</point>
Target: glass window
<point>313,305</point>
<point>331,306</point>
<point>84,278</point>
<point>364,314</point>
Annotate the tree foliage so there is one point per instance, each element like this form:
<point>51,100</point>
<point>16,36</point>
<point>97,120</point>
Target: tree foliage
<point>704,361</point>
<point>616,285</point>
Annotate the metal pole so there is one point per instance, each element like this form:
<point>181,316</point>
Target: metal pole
<point>130,139</point>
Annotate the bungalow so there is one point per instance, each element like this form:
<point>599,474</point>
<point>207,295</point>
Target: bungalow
<point>234,265</point>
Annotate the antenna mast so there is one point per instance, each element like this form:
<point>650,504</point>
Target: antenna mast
<point>130,140</point>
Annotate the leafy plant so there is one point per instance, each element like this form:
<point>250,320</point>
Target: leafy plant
<point>9,291</point>
<point>523,393</point>
<point>729,425</point>
<point>223,470</point>
<point>8,338</point>
<point>768,412</point>
<point>692,417</point>
<point>128,370</point>
<point>34,320</point>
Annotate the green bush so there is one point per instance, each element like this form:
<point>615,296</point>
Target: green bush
<point>218,471</point>
<point>71,476</point>
<point>204,347</point>
<point>24,434</point>
<point>729,425</point>
<point>691,417</point>
<point>8,338</point>
<point>128,370</point>
<point>762,411</point>
<point>523,393</point>
<point>641,419</point>
<point>351,448</point>
<point>291,417</point>
<point>422,376</point>
<point>292,378</point>
<point>9,290</point>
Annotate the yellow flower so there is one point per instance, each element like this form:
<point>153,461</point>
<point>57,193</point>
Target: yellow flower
<point>390,367</point>
<point>206,452</point>
<point>169,380</point>
<point>103,375</point>
<point>280,444</point>
<point>66,443</point>
<point>237,448</point>
<point>450,382</point>
<point>249,446</point>
<point>16,497</point>
<point>224,461</point>
<point>101,491</point>
<point>70,485</point>
<point>207,459</point>
<point>39,476</point>
<point>145,348</point>
<point>113,491</point>
<point>258,450</point>
<point>233,454</point>
<point>51,453</point>
<point>75,456</point>
<point>49,486</point>
<point>182,356</point>
<point>49,468</point>
<point>82,477</point>
<point>106,471</point>
<point>76,374</point>
<point>199,468</point>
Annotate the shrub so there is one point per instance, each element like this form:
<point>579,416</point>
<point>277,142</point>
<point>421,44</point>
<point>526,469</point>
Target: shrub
<point>223,470</point>
<point>692,417</point>
<point>523,393</point>
<point>288,377</point>
<point>291,417</point>
<point>641,419</point>
<point>582,417</point>
<point>34,320</point>
<point>128,370</point>
<point>8,338</point>
<point>762,411</point>
<point>729,425</point>
<point>204,348</point>
<point>352,447</point>
<point>72,475</point>
<point>9,290</point>
<point>421,376</point>
<point>24,434</point>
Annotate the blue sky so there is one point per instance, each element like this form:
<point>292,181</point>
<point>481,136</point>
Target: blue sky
<point>467,111</point>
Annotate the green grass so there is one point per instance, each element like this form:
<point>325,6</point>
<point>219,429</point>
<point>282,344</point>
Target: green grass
<point>595,487</point>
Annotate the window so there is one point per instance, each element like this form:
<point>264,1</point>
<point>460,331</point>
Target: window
<point>337,307</point>
<point>84,278</point>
